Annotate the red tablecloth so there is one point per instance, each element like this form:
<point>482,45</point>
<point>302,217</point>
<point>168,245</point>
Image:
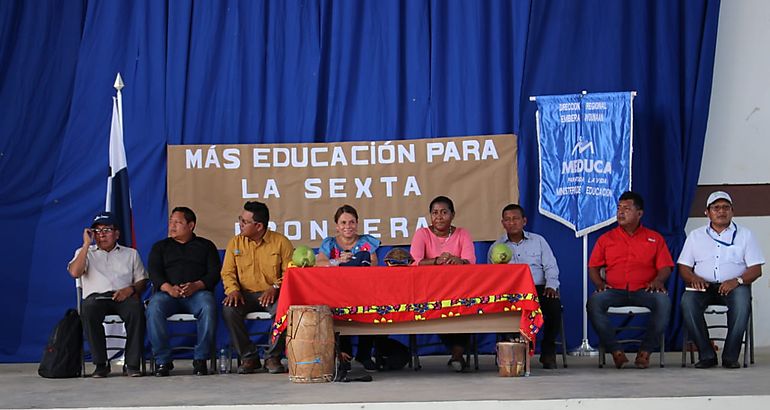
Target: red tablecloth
<point>376,294</point>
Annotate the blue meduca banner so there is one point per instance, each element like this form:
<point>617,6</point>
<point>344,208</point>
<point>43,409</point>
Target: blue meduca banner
<point>585,143</point>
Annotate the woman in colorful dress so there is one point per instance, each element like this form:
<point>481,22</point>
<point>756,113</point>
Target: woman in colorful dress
<point>348,248</point>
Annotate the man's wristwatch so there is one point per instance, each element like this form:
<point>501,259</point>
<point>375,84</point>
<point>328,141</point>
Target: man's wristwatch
<point>276,286</point>
<point>739,280</point>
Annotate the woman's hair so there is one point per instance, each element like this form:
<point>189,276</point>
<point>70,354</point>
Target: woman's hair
<point>441,200</point>
<point>345,209</point>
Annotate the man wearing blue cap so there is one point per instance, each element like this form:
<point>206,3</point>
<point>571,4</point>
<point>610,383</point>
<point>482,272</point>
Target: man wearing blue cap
<point>718,263</point>
<point>113,278</point>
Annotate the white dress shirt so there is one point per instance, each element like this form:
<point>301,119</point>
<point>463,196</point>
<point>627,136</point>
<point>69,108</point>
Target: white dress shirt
<point>110,271</point>
<point>719,257</point>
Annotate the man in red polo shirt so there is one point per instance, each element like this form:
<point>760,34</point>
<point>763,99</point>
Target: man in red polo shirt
<point>637,264</point>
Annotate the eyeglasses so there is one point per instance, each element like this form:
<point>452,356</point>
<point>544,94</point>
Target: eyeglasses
<point>717,208</point>
<point>102,230</point>
<point>245,222</point>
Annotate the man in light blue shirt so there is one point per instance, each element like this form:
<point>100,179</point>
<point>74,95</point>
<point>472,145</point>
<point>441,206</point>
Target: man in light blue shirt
<point>532,249</point>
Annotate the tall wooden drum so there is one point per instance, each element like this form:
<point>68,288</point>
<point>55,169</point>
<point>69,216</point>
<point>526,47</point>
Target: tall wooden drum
<point>511,357</point>
<point>310,344</point>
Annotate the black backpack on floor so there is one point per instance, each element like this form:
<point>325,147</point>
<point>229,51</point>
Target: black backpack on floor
<point>61,357</point>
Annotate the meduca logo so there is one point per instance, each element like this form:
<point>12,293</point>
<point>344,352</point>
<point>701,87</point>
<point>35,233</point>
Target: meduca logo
<point>582,146</point>
<point>581,165</point>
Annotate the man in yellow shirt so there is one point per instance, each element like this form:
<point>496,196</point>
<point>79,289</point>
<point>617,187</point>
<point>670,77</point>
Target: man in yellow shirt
<point>251,273</point>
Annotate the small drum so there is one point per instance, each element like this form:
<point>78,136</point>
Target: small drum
<point>511,358</point>
<point>310,344</point>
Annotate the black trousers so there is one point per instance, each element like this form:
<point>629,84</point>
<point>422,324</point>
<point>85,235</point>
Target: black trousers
<point>234,320</point>
<point>92,313</point>
<point>551,308</point>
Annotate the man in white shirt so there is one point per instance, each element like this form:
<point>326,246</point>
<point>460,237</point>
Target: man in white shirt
<point>718,263</point>
<point>113,278</point>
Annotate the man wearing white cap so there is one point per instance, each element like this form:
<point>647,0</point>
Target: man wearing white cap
<point>718,263</point>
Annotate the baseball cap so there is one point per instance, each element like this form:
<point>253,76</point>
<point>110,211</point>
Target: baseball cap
<point>717,195</point>
<point>103,218</point>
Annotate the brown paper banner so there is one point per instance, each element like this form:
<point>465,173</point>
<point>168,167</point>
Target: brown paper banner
<point>390,183</point>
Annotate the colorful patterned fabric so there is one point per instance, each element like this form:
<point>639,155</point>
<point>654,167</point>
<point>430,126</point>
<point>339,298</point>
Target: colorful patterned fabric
<point>332,249</point>
<point>384,294</point>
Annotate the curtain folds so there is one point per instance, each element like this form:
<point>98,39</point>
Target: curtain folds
<point>318,71</point>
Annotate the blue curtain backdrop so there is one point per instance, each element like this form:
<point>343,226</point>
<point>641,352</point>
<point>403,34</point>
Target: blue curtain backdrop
<point>302,71</point>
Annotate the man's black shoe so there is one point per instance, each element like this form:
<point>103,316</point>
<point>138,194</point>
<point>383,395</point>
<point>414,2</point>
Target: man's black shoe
<point>730,364</point>
<point>131,371</point>
<point>101,371</point>
<point>163,370</point>
<point>199,368</point>
<point>548,361</point>
<point>706,363</point>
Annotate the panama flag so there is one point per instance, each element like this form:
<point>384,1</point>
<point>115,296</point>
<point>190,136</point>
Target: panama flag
<point>118,199</point>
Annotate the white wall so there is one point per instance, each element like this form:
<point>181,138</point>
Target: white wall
<point>737,145</point>
<point>737,149</point>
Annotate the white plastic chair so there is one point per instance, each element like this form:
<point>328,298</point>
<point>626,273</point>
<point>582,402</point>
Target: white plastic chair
<point>630,312</point>
<point>109,321</point>
<point>748,337</point>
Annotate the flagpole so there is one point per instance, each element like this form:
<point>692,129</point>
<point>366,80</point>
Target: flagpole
<point>116,330</point>
<point>118,85</point>
<point>585,348</point>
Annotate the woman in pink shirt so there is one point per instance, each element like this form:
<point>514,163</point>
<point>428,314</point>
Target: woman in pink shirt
<point>444,244</point>
<point>441,243</point>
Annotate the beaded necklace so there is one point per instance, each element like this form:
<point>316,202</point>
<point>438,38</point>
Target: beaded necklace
<point>444,240</point>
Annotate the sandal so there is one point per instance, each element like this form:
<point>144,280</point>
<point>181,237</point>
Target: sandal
<point>458,365</point>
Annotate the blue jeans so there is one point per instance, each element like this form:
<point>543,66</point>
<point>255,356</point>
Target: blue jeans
<point>658,303</point>
<point>201,304</point>
<point>738,303</point>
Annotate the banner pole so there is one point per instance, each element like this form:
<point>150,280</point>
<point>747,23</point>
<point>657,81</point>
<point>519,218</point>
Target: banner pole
<point>585,348</point>
<point>118,86</point>
<point>572,109</point>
